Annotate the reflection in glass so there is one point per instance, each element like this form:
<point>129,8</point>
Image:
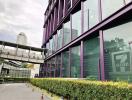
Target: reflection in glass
<point>48,68</point>
<point>90,14</point>
<point>65,64</point>
<point>51,43</point>
<point>59,36</point>
<point>52,67</point>
<point>118,52</point>
<point>54,44</point>
<point>58,65</point>
<point>47,46</point>
<point>110,6</point>
<point>91,58</point>
<point>76,25</point>
<point>75,62</point>
<point>67,33</point>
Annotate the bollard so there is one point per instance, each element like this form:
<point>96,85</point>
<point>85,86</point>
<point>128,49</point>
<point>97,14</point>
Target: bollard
<point>42,97</point>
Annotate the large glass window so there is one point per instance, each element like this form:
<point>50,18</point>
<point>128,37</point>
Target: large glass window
<point>76,25</point>
<point>54,44</point>
<point>90,14</point>
<point>75,61</point>
<point>47,46</point>
<point>58,65</point>
<point>118,52</point>
<point>110,6</point>
<point>65,64</point>
<point>48,69</point>
<point>60,36</point>
<point>56,41</point>
<point>67,32</point>
<point>51,45</point>
<point>91,58</point>
<point>53,67</point>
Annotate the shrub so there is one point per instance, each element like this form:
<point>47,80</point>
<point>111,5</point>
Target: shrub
<point>85,89</point>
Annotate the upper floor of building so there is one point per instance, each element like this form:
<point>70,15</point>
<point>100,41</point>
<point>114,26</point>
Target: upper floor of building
<point>66,20</point>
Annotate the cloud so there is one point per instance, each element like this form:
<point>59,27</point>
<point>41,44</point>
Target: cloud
<point>22,16</point>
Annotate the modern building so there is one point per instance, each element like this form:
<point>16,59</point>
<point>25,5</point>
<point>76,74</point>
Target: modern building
<point>21,39</point>
<point>88,38</point>
<point>14,70</point>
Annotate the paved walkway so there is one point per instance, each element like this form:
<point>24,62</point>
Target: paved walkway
<point>19,91</point>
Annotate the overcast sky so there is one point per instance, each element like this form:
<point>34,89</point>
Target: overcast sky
<point>22,16</point>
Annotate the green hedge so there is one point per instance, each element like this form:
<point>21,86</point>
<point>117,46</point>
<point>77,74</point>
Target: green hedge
<point>84,89</point>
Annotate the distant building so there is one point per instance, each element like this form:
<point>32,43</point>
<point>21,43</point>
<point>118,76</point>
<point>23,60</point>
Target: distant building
<point>21,39</point>
<point>14,70</point>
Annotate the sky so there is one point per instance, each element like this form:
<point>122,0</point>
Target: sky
<point>22,16</point>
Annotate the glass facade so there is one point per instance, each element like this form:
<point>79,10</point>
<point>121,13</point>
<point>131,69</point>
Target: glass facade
<point>58,66</point>
<point>65,64</point>
<point>47,46</point>
<point>111,6</point>
<point>67,33</point>
<point>56,41</point>
<point>91,15</point>
<point>54,44</point>
<point>53,67</point>
<point>48,68</point>
<point>118,53</point>
<point>75,62</point>
<point>91,58</point>
<point>76,25</point>
<point>51,47</point>
<point>59,38</point>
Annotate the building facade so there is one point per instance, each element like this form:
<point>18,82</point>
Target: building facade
<point>88,38</point>
<point>21,38</point>
<point>14,70</point>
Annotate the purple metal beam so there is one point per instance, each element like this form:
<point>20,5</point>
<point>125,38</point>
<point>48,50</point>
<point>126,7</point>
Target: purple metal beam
<point>81,47</point>
<point>59,10</point>
<point>61,66</point>
<point>62,36</point>
<point>102,55</point>
<point>55,66</point>
<point>62,21</point>
<point>49,13</point>
<point>69,62</point>
<point>64,8</point>
<point>54,20</point>
<point>100,10</point>
<point>81,59</point>
<point>95,28</point>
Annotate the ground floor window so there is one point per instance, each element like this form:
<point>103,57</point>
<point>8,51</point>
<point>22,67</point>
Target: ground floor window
<point>75,62</point>
<point>65,64</point>
<point>58,65</point>
<point>91,58</point>
<point>118,52</point>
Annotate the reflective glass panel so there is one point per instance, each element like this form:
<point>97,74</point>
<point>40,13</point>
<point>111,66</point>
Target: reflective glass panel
<point>76,25</point>
<point>75,62</point>
<point>67,33</point>
<point>65,64</point>
<point>91,58</point>
<point>118,52</point>
<point>110,6</point>
<point>59,38</point>
<point>90,14</point>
